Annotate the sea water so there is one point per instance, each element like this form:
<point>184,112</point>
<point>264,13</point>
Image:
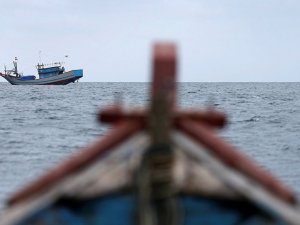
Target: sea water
<point>42,125</point>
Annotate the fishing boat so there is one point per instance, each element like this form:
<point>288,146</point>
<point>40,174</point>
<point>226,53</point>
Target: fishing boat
<point>157,165</point>
<point>53,73</point>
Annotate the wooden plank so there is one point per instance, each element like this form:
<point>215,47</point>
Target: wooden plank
<point>75,183</point>
<point>86,156</point>
<point>245,186</point>
<point>232,157</point>
<point>209,117</point>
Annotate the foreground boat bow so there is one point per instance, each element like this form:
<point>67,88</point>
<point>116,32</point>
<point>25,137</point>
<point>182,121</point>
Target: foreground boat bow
<point>158,166</point>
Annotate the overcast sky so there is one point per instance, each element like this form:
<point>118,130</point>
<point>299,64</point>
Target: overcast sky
<point>224,40</point>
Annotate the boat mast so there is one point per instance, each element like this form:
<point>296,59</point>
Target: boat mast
<point>16,66</point>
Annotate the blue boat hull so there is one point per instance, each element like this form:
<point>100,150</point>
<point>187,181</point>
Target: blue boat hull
<point>120,209</point>
<point>61,79</point>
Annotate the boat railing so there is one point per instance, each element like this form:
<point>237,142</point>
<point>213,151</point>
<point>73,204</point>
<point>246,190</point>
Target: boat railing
<point>48,65</point>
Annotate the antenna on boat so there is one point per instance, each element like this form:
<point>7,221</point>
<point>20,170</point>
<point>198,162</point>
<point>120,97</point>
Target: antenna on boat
<point>64,61</point>
<point>16,66</point>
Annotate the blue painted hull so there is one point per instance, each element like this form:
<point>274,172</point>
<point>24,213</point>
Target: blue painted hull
<point>120,209</point>
<point>61,79</point>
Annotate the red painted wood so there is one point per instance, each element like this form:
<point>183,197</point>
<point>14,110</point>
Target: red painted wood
<point>233,158</point>
<point>116,114</point>
<point>164,72</point>
<point>86,156</point>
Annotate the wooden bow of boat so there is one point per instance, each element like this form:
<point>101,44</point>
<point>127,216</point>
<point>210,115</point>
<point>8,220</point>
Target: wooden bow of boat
<point>169,159</point>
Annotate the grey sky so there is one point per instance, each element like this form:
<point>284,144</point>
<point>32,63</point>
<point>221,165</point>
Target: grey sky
<point>229,40</point>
